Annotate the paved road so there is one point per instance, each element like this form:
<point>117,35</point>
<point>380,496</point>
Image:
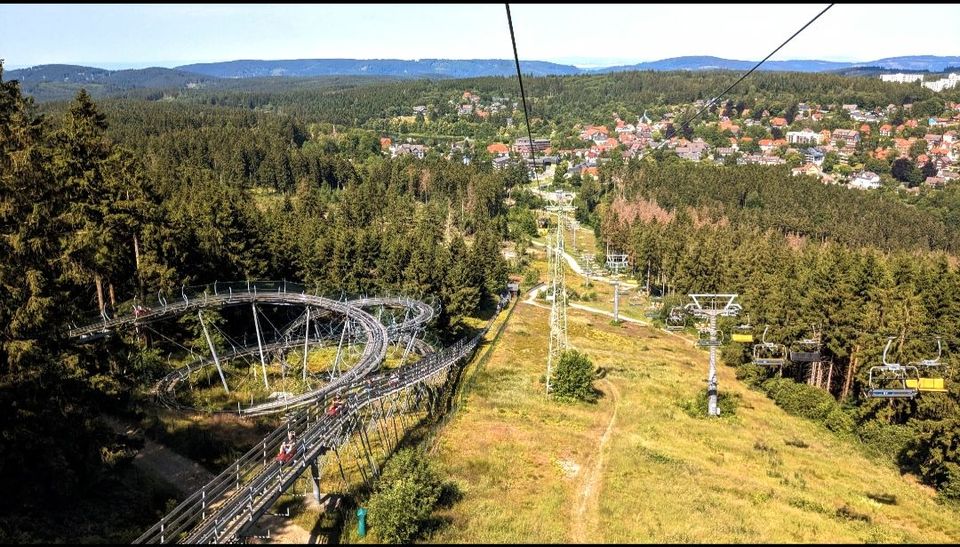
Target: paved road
<point>575,266</point>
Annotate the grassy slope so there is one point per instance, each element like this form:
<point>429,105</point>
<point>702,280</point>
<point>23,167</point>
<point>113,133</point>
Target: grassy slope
<point>663,475</point>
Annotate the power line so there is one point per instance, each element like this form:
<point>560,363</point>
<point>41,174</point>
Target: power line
<point>523,94</point>
<point>725,91</point>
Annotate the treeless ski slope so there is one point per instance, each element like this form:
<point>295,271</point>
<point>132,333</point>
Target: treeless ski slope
<point>523,463</point>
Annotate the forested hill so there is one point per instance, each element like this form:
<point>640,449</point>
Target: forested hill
<point>62,82</point>
<point>556,103</point>
<point>931,63</point>
<point>59,81</point>
<point>769,198</point>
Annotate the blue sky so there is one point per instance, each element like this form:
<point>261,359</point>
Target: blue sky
<point>131,36</point>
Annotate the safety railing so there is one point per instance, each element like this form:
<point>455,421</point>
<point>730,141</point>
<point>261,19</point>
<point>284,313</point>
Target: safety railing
<point>254,481</point>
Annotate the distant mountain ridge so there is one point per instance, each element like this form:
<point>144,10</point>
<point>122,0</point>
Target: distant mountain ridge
<point>59,81</point>
<point>467,68</point>
<point>701,62</point>
<point>456,68</point>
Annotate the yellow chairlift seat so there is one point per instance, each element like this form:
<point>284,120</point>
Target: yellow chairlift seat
<point>743,333</point>
<point>935,385</point>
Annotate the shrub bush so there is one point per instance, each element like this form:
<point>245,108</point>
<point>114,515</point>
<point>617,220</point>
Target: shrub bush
<point>405,496</point>
<point>573,377</point>
<point>752,375</point>
<point>889,440</point>
<point>698,406</point>
<point>809,402</point>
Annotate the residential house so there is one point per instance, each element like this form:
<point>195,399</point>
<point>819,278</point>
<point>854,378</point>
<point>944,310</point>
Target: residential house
<point>886,130</point>
<point>498,149</point>
<point>778,122</point>
<point>594,133</point>
<point>418,151</point>
<point>848,136</point>
<point>522,145</point>
<point>932,140</point>
<point>903,145</point>
<point>692,151</point>
<point>728,125</point>
<point>760,159</point>
<point>806,169</point>
<point>607,145</point>
<point>949,175</point>
<point>814,156</point>
<point>501,162</point>
<point>385,143</point>
<point>806,136</point>
<point>865,180</point>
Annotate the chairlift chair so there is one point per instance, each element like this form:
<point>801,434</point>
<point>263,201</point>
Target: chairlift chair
<point>892,380</point>
<point>805,351</point>
<point>704,340</point>
<point>677,320</point>
<point>929,383</point>
<point>654,309</point>
<point>743,333</point>
<point>769,353</point>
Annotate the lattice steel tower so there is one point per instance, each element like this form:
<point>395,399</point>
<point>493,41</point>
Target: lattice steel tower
<point>558,288</point>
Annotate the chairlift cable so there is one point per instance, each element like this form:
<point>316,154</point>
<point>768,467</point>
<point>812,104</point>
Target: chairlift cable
<point>523,95</point>
<point>749,72</point>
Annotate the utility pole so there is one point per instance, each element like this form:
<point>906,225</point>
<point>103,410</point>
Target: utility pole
<point>558,309</point>
<point>615,263</point>
<point>711,306</point>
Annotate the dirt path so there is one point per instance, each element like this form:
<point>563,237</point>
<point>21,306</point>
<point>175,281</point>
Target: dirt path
<point>532,294</point>
<point>184,474</point>
<point>281,530</point>
<point>585,517</point>
<point>575,266</point>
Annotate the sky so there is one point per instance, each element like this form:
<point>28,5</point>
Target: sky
<point>138,35</point>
